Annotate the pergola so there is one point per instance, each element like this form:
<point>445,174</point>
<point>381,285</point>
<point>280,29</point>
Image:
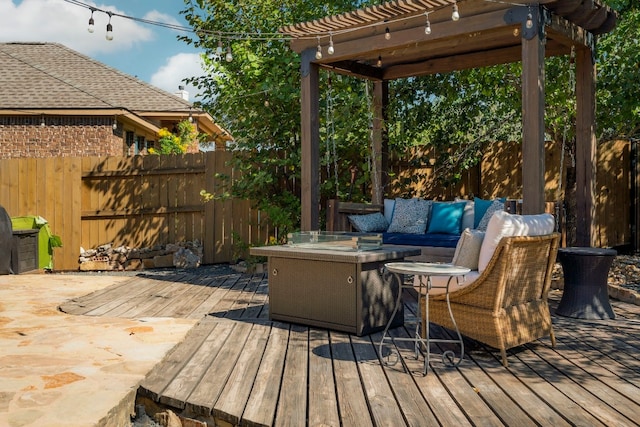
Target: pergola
<point>410,38</point>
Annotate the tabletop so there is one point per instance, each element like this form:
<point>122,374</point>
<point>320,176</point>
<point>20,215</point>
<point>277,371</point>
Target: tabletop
<point>426,268</point>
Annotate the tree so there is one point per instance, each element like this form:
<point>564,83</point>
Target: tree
<point>256,96</point>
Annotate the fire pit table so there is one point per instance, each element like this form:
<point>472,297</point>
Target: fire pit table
<point>335,281</point>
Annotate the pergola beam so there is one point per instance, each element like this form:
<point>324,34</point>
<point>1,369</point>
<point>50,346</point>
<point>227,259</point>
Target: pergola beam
<point>533,84</point>
<point>585,147</point>
<point>310,139</point>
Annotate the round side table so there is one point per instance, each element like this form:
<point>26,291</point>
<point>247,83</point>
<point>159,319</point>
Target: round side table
<point>585,294</point>
<point>425,271</point>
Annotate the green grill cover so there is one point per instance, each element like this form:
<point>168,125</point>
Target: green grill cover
<point>46,240</point>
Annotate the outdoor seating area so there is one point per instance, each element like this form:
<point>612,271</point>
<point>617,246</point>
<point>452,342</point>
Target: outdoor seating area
<point>236,367</point>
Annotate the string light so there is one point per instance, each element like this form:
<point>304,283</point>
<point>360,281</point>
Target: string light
<point>261,36</point>
<point>427,27</point>
<point>455,15</point>
<point>379,61</point>
<point>91,27</point>
<point>319,50</point>
<point>229,56</point>
<point>109,35</point>
<point>330,49</point>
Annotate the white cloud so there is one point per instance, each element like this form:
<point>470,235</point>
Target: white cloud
<point>156,16</point>
<point>65,23</point>
<point>177,68</point>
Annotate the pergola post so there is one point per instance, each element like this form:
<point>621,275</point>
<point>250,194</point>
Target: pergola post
<point>585,146</point>
<point>310,141</point>
<point>380,151</point>
<point>533,86</point>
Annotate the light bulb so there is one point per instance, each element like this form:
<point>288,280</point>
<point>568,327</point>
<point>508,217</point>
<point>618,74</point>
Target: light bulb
<point>229,56</point>
<point>379,61</point>
<point>219,48</point>
<point>427,28</point>
<point>330,49</point>
<point>529,23</point>
<point>455,15</point>
<point>91,28</point>
<point>109,35</point>
<point>387,34</point>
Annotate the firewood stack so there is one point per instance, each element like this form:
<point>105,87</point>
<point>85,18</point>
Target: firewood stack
<point>109,258</point>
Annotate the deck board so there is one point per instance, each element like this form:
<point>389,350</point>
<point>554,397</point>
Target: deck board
<point>236,367</point>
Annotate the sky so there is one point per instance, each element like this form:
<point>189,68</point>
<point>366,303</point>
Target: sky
<point>151,53</point>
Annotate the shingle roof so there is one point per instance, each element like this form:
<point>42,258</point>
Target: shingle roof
<point>50,75</point>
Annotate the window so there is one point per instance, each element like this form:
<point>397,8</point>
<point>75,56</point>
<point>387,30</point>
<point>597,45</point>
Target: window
<point>128,139</point>
<point>141,145</point>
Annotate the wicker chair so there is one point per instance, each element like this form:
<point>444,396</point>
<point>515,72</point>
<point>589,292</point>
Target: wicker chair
<point>506,305</point>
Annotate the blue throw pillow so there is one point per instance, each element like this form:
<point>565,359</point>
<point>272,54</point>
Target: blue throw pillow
<point>446,217</point>
<point>480,206</point>
<point>369,222</point>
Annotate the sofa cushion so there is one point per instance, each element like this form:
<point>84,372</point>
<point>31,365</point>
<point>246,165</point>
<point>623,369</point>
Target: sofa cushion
<point>433,239</point>
<point>495,206</point>
<point>503,224</point>
<point>468,249</point>
<point>410,216</point>
<point>467,216</point>
<point>446,217</point>
<point>369,222</point>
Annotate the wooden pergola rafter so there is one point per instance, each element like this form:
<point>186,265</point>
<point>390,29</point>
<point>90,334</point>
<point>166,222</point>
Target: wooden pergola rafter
<point>488,32</point>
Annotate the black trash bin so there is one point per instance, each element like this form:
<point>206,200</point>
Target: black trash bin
<point>6,242</point>
<point>585,294</point>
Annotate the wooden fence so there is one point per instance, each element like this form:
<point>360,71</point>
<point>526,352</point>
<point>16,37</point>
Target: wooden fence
<point>500,175</point>
<point>137,201</point>
<point>143,201</point>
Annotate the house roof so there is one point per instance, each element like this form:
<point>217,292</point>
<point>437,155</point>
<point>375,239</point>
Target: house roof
<point>50,76</point>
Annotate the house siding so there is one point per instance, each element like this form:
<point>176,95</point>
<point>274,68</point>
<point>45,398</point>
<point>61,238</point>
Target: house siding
<point>61,136</point>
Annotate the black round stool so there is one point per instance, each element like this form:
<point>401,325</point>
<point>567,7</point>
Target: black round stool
<point>585,294</point>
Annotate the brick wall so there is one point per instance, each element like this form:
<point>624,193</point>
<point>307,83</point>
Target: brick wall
<point>61,136</point>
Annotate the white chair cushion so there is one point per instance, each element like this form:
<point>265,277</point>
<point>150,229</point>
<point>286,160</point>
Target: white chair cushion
<point>439,283</point>
<point>503,224</point>
<point>468,249</point>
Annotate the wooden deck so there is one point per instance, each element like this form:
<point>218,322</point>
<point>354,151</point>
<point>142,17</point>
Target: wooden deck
<point>235,367</point>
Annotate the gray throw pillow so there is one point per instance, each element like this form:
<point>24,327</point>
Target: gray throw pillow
<point>369,222</point>
<point>410,216</point>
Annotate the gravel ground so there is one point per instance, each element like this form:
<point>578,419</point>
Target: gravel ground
<point>624,273</point>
